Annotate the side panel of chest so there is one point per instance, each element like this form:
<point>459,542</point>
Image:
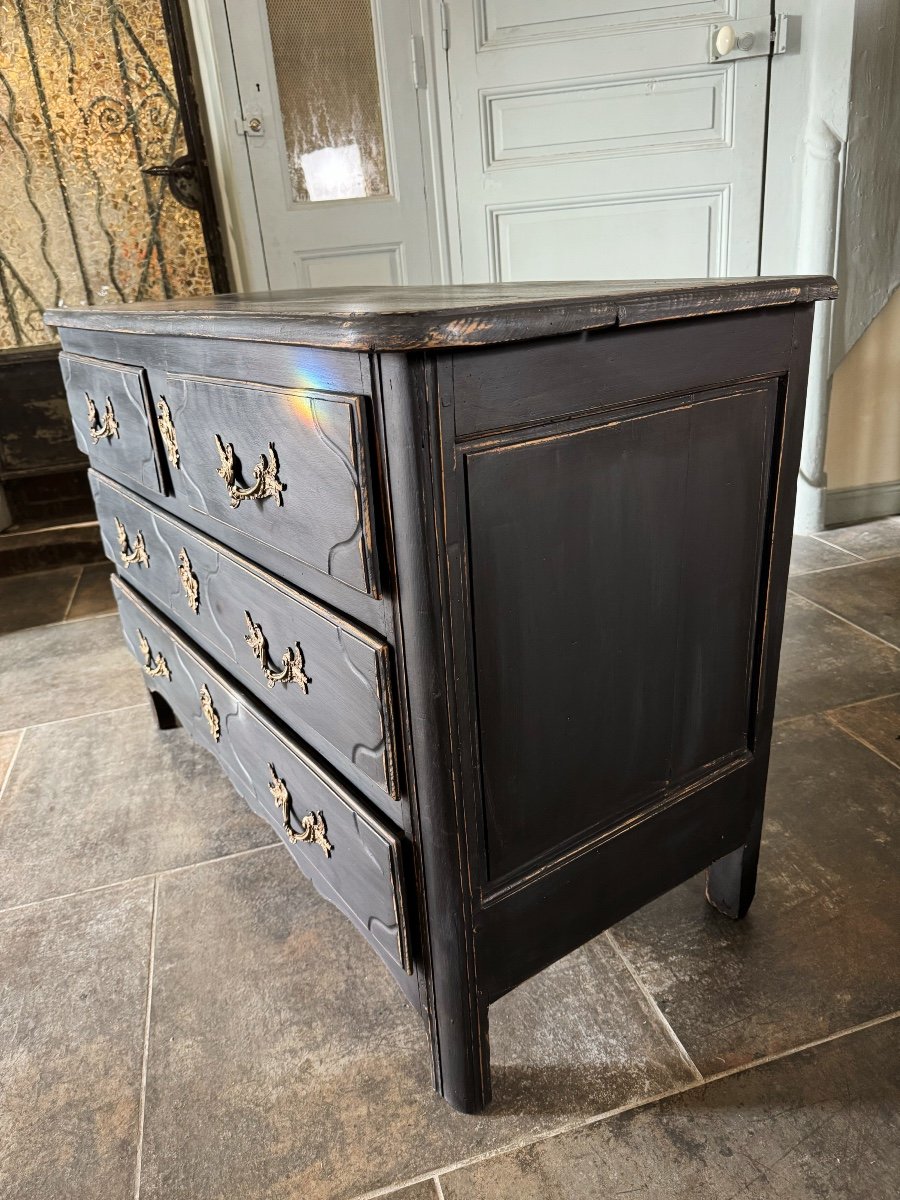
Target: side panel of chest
<point>609,571</point>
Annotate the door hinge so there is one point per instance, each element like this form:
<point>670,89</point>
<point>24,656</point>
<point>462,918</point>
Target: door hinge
<point>417,51</point>
<point>445,25</point>
<point>753,38</point>
<point>251,121</point>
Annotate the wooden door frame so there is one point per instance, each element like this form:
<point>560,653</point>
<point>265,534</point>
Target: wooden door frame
<point>182,69</point>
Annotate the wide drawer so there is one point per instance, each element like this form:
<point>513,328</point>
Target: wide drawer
<point>287,467</point>
<point>110,406</point>
<point>353,858</point>
<point>322,675</point>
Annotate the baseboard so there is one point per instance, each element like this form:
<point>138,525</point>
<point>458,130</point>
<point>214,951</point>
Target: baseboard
<point>846,506</point>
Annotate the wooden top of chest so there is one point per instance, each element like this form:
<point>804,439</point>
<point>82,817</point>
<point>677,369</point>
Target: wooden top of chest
<point>440,317</point>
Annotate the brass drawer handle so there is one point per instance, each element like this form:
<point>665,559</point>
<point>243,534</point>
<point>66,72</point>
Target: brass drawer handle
<point>167,429</point>
<point>266,483</point>
<point>312,827</point>
<point>129,556</point>
<point>291,661</point>
<point>209,711</point>
<point>108,427</point>
<point>189,581</point>
<point>155,667</point>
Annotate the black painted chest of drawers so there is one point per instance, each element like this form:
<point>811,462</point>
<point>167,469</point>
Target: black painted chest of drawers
<point>475,593</point>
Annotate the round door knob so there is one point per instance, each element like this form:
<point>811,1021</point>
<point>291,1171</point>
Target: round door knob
<point>725,40</point>
<point>255,124</point>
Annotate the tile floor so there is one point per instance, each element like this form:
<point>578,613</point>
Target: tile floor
<point>182,1017</point>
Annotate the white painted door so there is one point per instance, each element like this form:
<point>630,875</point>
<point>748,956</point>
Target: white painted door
<point>593,139</point>
<point>329,112</point>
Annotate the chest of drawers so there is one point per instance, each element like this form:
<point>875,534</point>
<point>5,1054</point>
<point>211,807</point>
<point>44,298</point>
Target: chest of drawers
<point>475,593</point>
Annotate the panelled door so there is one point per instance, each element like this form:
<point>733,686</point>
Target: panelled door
<point>594,139</point>
<point>330,114</point>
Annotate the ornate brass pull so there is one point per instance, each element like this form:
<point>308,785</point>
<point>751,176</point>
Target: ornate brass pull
<point>128,556</point>
<point>291,661</point>
<point>189,581</point>
<point>155,667</point>
<point>108,427</point>
<point>167,429</point>
<point>209,711</point>
<point>312,827</point>
<point>266,483</point>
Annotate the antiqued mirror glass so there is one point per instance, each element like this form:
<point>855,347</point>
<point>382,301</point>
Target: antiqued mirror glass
<point>327,74</point>
<point>87,101</point>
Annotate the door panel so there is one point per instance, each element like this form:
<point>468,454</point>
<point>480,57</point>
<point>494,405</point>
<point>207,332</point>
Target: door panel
<point>330,112</point>
<point>599,142</point>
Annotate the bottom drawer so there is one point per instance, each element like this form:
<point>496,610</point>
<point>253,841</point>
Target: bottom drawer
<point>350,855</point>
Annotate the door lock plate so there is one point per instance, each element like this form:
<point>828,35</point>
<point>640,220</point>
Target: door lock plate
<point>753,38</point>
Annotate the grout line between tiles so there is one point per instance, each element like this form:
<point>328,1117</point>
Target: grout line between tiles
<point>78,579</point>
<point>438,1188</point>
<point>852,624</point>
<point>857,562</point>
<point>12,762</point>
<point>117,883</point>
<point>576,1126</point>
<point>106,712</point>
<point>654,1006</point>
<point>860,740</point>
<point>146,1047</point>
<point>55,624</point>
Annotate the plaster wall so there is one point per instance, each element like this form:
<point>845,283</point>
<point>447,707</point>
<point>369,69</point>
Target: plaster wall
<point>864,423</point>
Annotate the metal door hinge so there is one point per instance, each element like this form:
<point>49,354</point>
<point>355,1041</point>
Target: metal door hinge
<point>251,121</point>
<point>417,51</point>
<point>753,38</point>
<point>445,25</point>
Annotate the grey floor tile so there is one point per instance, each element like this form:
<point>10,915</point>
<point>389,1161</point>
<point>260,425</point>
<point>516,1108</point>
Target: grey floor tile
<point>68,670</point>
<point>94,592</point>
<point>826,663</point>
<point>809,554</point>
<point>9,743</point>
<point>101,799</point>
<point>73,991</point>
<point>284,1062</point>
<point>867,595</point>
<point>820,1125</point>
<point>819,950</point>
<point>36,599</point>
<point>872,539</point>
<point>875,722</point>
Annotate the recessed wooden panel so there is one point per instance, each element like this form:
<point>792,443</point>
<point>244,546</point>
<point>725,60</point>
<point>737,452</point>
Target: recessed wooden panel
<point>656,234</point>
<point>503,22</point>
<point>608,118</point>
<point>375,266</point>
<point>312,443</point>
<point>611,661</point>
<point>110,413</point>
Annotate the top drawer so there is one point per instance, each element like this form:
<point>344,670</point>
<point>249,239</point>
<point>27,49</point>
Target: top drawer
<point>287,467</point>
<point>111,414</point>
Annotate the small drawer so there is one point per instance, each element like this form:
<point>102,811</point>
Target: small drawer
<point>110,406</point>
<point>287,467</point>
<point>321,674</point>
<point>353,858</point>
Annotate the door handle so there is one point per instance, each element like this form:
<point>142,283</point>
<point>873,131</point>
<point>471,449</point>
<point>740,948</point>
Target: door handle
<point>754,38</point>
<point>181,176</point>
